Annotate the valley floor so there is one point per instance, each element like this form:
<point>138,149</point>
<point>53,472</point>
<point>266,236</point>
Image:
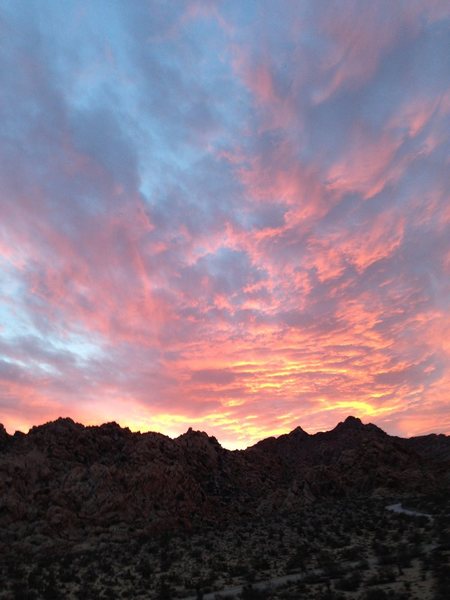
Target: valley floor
<point>352,549</point>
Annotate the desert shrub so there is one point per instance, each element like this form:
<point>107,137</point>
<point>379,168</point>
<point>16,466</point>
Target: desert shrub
<point>329,594</point>
<point>386,575</point>
<point>351,553</point>
<point>295,562</point>
<point>50,589</point>
<point>260,563</point>
<point>239,570</point>
<point>250,593</point>
<point>164,592</point>
<point>349,583</point>
<point>18,589</point>
<point>441,569</point>
<point>144,568</point>
<point>66,575</point>
<point>375,594</point>
<point>33,578</point>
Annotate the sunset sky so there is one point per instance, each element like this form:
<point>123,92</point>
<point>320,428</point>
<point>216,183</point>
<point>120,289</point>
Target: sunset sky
<point>231,215</point>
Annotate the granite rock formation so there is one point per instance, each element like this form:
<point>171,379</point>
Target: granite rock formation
<point>62,478</point>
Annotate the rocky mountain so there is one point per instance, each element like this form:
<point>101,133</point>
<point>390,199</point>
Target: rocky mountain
<point>433,446</point>
<point>353,458</point>
<point>62,478</point>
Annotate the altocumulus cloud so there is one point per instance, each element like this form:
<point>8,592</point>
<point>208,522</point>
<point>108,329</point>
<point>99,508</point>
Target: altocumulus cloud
<point>230,215</point>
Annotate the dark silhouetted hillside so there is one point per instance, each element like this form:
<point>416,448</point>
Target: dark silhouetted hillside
<point>64,477</point>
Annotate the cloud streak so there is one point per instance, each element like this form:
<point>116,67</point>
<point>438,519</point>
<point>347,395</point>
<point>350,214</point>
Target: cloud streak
<point>226,215</point>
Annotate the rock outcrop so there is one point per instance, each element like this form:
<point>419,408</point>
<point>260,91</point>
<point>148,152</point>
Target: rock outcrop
<point>62,478</point>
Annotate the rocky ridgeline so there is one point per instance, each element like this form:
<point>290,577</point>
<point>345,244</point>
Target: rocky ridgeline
<point>63,479</point>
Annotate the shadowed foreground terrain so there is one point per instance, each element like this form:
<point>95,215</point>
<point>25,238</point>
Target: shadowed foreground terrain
<point>101,512</point>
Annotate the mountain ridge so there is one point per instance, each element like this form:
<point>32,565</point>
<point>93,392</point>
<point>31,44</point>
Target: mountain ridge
<point>93,496</point>
<point>350,423</point>
<point>64,476</point>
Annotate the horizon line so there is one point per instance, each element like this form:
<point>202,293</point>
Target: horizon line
<point>349,418</point>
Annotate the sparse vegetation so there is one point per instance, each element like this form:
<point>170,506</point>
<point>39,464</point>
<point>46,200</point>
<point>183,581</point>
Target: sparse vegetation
<point>351,549</point>
<point>101,512</point>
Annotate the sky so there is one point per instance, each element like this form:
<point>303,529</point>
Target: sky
<point>226,215</point>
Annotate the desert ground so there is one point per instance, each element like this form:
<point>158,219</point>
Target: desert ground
<point>348,549</point>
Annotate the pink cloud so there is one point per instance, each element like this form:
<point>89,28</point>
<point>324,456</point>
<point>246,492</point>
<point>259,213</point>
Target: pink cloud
<point>242,225</point>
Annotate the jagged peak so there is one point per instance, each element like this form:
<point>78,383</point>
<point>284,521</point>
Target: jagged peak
<point>194,433</point>
<point>352,423</point>
<point>197,434</point>
<point>430,436</point>
<point>64,420</point>
<point>298,432</point>
<point>61,423</point>
<point>295,435</point>
<point>4,436</point>
<point>113,426</point>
